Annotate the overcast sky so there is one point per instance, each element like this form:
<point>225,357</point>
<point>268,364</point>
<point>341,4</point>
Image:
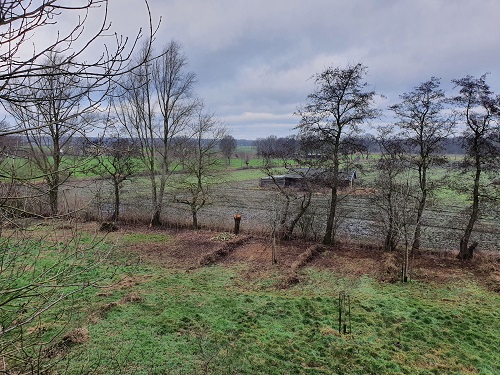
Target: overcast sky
<point>254,58</point>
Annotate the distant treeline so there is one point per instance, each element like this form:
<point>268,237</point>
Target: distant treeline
<point>452,145</point>
<point>274,145</point>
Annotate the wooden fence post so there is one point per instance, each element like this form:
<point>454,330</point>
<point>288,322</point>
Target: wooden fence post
<point>237,220</point>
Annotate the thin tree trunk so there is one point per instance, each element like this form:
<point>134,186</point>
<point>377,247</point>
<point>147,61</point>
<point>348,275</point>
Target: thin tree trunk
<point>116,211</point>
<point>303,209</point>
<point>195,217</point>
<point>53,200</point>
<point>329,237</point>
<point>330,224</point>
<point>406,264</point>
<point>389,238</point>
<point>156,202</point>
<point>415,247</point>
<point>389,243</point>
<point>464,241</point>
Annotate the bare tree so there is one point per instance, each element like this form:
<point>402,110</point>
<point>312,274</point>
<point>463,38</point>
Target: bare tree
<point>47,119</point>
<point>201,165</point>
<point>293,201</point>
<point>390,166</point>
<point>425,126</point>
<point>479,109</point>
<point>339,104</point>
<point>276,147</point>
<point>228,146</point>
<point>52,86</point>
<point>117,160</point>
<point>22,62</point>
<point>156,105</point>
<point>394,200</point>
<point>266,148</point>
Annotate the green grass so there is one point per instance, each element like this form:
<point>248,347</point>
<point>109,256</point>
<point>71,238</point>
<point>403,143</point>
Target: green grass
<point>157,320</point>
<point>247,149</point>
<point>244,175</point>
<point>210,318</point>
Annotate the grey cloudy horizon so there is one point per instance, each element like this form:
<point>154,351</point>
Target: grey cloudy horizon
<point>254,59</point>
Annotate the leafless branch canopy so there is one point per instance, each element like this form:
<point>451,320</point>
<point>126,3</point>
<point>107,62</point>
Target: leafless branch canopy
<point>22,61</point>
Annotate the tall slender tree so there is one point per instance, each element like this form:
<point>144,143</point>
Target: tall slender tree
<point>339,104</point>
<point>479,110</point>
<point>201,165</point>
<point>49,117</point>
<point>156,105</point>
<point>425,126</point>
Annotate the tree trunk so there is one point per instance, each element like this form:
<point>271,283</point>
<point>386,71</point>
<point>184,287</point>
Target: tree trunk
<point>53,200</point>
<point>465,253</point>
<point>288,233</point>
<point>53,183</point>
<point>389,244</point>
<point>156,202</point>
<point>194,213</point>
<point>329,237</point>
<point>156,218</point>
<point>330,223</point>
<point>406,264</point>
<point>415,247</point>
<point>116,211</point>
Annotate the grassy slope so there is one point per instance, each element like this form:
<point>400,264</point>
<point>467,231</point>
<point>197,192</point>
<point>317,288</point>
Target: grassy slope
<point>170,321</point>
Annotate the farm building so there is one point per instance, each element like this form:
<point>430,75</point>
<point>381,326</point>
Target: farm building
<point>295,178</point>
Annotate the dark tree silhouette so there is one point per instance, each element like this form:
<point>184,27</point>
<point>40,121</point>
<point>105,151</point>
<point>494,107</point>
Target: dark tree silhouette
<point>156,105</point>
<point>479,110</point>
<point>227,146</point>
<point>339,104</point>
<point>425,127</point>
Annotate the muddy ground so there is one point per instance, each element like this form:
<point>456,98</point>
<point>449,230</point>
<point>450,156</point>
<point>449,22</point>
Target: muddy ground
<point>188,250</point>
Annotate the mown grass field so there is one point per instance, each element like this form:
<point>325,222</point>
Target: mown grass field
<point>159,318</point>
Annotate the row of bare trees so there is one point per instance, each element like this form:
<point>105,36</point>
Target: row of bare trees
<point>143,100</point>
<point>152,115</point>
<point>329,129</point>
<point>156,106</point>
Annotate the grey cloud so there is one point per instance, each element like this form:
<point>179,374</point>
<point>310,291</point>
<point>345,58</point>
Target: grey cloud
<point>257,56</point>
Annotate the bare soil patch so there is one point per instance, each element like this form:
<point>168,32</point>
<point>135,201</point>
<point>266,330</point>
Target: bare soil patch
<point>190,249</point>
<point>184,250</point>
